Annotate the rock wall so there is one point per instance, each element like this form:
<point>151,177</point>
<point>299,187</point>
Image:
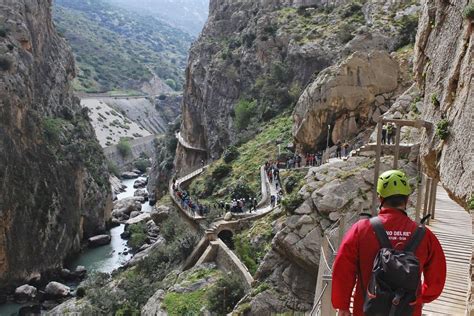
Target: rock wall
<point>269,51</point>
<point>444,73</point>
<point>349,97</point>
<point>54,187</point>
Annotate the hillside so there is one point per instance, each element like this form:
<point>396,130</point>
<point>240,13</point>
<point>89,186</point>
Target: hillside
<point>188,15</point>
<point>116,49</point>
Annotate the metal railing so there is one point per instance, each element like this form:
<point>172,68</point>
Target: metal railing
<point>332,239</point>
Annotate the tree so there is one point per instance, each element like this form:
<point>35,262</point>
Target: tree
<point>124,147</point>
<point>244,111</point>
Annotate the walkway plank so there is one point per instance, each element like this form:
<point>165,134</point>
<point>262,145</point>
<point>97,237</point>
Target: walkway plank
<point>452,225</point>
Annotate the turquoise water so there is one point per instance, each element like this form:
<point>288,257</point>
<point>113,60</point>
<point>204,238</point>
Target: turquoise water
<point>102,259</point>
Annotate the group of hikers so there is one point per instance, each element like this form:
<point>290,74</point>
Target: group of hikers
<point>388,133</point>
<point>240,205</point>
<point>187,203</point>
<point>342,149</point>
<point>273,174</point>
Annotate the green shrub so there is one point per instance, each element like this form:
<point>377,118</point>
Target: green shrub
<point>408,29</point>
<point>270,30</point>
<point>3,32</point>
<point>352,9</point>
<point>244,111</point>
<point>171,83</point>
<point>124,147</point>
<point>468,12</point>
<point>52,128</point>
<point>225,295</point>
<point>344,34</point>
<point>142,164</point>
<point>435,100</point>
<point>221,172</point>
<point>242,191</point>
<point>248,39</point>
<point>442,129</point>
<point>470,203</point>
<point>245,253</point>
<point>80,292</point>
<point>280,72</point>
<point>291,183</point>
<point>113,168</point>
<point>5,63</point>
<point>162,97</point>
<point>292,202</point>
<point>230,154</point>
<point>137,235</point>
<point>187,303</point>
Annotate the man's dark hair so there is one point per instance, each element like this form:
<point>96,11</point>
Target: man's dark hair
<point>395,201</point>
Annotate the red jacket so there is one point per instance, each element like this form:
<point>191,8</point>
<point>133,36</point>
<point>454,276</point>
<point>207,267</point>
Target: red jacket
<point>359,248</point>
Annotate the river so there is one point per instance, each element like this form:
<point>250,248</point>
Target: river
<point>102,259</point>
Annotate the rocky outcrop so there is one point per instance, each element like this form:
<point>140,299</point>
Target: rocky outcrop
<point>349,97</point>
<point>54,189</point>
<point>291,267</point>
<point>444,73</point>
<point>268,51</point>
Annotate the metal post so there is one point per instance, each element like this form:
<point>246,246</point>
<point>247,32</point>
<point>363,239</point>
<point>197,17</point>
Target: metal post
<point>396,155</point>
<point>342,228</point>
<point>322,271</point>
<point>434,187</point>
<point>377,167</point>
<point>419,196</point>
<point>327,140</point>
<point>326,305</point>
<point>427,196</point>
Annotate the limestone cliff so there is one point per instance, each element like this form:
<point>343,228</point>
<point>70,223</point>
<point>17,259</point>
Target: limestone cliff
<point>268,51</point>
<point>54,186</point>
<point>444,73</point>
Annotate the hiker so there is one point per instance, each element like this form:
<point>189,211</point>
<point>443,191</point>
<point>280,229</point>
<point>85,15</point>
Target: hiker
<point>298,160</point>
<point>273,200</point>
<point>399,291</point>
<point>346,149</point>
<point>384,134</point>
<point>254,204</point>
<point>390,133</point>
<point>338,149</point>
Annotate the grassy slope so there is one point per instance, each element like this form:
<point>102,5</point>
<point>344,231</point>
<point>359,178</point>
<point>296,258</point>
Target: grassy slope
<point>116,50</point>
<point>246,168</point>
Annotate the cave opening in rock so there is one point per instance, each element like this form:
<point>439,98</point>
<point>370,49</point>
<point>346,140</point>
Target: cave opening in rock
<point>227,237</point>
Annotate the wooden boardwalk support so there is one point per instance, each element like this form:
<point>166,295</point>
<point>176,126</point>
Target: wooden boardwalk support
<point>453,227</point>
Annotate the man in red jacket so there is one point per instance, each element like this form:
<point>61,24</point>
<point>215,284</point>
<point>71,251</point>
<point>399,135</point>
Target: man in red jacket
<point>357,252</point>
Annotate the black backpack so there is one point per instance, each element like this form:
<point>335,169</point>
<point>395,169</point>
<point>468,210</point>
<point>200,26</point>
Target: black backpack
<point>395,276</point>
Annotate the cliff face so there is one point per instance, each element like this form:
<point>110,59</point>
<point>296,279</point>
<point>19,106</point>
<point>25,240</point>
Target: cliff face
<point>268,51</point>
<point>54,186</point>
<point>444,73</point>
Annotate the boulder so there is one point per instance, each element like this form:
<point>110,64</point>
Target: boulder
<point>140,183</point>
<point>129,175</point>
<point>80,271</point>
<point>159,214</point>
<point>141,193</point>
<point>25,293</point>
<point>134,214</point>
<point>145,217</point>
<point>351,86</point>
<point>124,207</point>
<point>57,290</point>
<point>99,240</point>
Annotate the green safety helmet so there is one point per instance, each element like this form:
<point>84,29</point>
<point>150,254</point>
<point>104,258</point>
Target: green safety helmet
<point>393,182</point>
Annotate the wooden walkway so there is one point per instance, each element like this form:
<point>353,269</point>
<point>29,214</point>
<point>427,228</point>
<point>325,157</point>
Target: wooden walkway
<point>453,227</point>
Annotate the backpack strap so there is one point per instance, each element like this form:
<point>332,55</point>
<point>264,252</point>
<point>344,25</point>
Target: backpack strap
<point>380,232</point>
<point>416,239</point>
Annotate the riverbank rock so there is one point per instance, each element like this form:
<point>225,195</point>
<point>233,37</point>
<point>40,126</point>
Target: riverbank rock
<point>129,175</point>
<point>25,293</point>
<point>124,207</point>
<point>140,183</point>
<point>159,214</point>
<point>99,240</point>
<point>57,290</point>
<point>145,217</point>
<point>141,193</point>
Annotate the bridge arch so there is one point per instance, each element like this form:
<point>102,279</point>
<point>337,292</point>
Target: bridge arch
<point>227,236</point>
